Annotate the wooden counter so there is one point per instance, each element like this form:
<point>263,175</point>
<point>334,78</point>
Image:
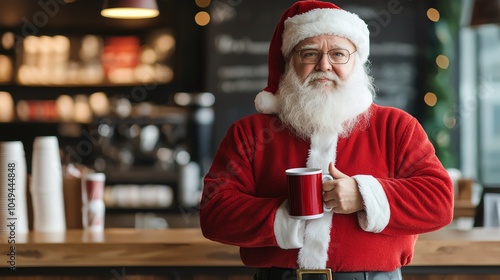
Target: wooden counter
<point>187,247</point>
<point>121,247</point>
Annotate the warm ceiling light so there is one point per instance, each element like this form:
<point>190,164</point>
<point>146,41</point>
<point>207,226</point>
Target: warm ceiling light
<point>485,12</point>
<point>130,9</point>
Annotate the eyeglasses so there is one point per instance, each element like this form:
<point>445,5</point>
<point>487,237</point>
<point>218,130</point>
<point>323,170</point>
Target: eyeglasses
<point>335,56</point>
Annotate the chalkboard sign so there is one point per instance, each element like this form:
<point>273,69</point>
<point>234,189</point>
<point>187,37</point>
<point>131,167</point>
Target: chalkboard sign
<point>240,32</point>
<point>397,44</point>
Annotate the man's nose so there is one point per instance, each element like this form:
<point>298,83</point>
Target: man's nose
<point>323,63</point>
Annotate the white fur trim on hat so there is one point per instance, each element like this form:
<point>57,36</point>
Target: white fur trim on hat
<point>377,212</point>
<point>327,22</point>
<point>266,102</point>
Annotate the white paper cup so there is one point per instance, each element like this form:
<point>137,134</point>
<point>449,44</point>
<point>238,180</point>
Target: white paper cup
<point>46,168</point>
<point>93,215</point>
<point>48,211</point>
<point>46,143</point>
<point>13,201</point>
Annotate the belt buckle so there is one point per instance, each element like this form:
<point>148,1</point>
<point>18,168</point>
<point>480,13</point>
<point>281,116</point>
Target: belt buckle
<point>302,271</point>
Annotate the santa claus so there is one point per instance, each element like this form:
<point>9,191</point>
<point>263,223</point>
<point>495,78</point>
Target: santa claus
<point>318,111</point>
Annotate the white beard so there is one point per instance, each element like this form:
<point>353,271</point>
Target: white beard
<point>316,109</point>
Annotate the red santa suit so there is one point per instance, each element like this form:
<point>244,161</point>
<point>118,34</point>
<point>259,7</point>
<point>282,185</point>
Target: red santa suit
<point>405,189</point>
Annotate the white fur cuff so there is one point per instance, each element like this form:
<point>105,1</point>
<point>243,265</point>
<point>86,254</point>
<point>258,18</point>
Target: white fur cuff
<point>377,212</point>
<point>289,232</point>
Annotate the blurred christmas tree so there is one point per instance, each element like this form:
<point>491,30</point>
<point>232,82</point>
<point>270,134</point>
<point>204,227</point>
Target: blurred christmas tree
<point>439,118</point>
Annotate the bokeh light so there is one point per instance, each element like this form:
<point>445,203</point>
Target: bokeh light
<point>430,99</point>
<point>442,61</point>
<point>202,3</point>
<point>202,18</point>
<point>433,14</point>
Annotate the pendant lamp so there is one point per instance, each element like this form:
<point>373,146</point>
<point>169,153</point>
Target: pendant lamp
<point>485,12</point>
<point>130,9</point>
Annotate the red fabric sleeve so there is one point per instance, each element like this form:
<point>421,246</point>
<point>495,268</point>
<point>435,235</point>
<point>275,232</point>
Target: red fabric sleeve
<point>420,194</point>
<point>230,211</point>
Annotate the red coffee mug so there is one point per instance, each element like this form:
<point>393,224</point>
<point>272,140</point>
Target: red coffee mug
<point>305,193</point>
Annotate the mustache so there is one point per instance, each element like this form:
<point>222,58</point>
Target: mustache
<point>323,75</point>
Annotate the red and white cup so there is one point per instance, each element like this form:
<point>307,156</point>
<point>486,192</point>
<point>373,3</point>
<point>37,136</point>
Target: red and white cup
<point>305,193</point>
<point>93,187</point>
<point>93,207</point>
<point>93,215</point>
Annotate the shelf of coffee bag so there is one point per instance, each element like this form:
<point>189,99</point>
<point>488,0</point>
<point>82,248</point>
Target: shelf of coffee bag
<point>137,197</point>
<point>49,60</point>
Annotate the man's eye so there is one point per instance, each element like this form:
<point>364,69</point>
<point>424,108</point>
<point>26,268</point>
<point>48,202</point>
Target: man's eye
<point>337,54</point>
<point>309,53</point>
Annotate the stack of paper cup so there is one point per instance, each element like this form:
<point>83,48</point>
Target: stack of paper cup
<point>13,204</point>
<point>46,186</point>
<point>93,207</point>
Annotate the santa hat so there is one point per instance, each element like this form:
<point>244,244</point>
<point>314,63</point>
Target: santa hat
<point>305,19</point>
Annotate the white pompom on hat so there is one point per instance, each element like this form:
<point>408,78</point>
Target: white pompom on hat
<point>305,19</point>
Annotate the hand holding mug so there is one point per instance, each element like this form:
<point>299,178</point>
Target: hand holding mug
<point>342,195</point>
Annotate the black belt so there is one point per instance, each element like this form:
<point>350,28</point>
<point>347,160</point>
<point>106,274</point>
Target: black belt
<point>276,273</point>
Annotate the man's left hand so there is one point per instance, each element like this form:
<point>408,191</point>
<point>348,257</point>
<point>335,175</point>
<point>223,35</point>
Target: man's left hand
<point>342,194</point>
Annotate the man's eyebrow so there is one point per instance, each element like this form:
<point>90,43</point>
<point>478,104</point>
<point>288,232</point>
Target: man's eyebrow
<point>308,47</point>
